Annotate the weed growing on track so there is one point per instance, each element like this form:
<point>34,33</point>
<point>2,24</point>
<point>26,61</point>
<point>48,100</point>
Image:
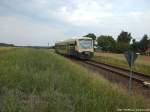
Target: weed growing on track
<point>40,81</point>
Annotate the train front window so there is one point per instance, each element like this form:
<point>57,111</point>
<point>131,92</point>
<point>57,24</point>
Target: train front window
<point>85,44</point>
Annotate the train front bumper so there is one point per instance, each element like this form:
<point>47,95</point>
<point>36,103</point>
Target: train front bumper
<point>86,55</point>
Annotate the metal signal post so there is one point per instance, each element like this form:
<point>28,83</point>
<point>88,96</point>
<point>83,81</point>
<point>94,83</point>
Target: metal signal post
<point>131,57</point>
<point>130,80</point>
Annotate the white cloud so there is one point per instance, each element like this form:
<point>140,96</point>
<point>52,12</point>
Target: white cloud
<point>22,31</point>
<point>41,1</point>
<point>104,14</point>
<point>85,13</point>
<point>40,21</point>
<point>107,17</point>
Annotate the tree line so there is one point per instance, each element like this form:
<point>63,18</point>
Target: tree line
<point>7,45</point>
<point>124,42</point>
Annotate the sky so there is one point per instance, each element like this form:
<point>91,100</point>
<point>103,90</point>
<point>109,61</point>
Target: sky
<point>39,22</point>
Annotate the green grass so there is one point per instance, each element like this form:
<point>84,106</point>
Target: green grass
<point>140,64</point>
<point>41,81</point>
<point>5,48</point>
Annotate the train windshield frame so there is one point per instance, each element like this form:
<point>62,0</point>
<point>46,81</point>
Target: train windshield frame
<point>85,43</point>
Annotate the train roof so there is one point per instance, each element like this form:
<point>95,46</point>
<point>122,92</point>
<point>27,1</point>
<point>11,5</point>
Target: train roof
<point>72,40</point>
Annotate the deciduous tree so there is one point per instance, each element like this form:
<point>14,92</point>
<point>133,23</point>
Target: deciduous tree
<point>144,43</point>
<point>91,35</point>
<point>107,43</point>
<point>123,42</point>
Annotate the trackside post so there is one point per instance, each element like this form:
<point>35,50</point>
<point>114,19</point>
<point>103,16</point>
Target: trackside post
<point>130,57</point>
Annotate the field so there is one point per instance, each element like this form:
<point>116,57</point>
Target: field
<point>4,49</point>
<point>142,64</point>
<point>41,81</point>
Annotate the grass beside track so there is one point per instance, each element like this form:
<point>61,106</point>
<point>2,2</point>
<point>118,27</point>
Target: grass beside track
<point>142,64</point>
<point>40,81</point>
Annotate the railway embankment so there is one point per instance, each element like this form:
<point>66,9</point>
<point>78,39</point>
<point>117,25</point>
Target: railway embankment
<point>142,64</point>
<point>119,76</point>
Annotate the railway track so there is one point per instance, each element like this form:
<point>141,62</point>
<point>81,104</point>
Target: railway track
<point>140,84</point>
<point>139,77</point>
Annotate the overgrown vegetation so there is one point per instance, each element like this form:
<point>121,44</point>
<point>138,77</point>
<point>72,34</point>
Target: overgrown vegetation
<point>40,81</point>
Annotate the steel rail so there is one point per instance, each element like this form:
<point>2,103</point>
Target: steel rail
<point>137,76</point>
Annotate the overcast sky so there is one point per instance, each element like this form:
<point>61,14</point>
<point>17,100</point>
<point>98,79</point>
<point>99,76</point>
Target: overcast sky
<point>37,22</point>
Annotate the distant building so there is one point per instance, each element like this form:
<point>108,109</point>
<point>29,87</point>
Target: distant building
<point>148,52</point>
